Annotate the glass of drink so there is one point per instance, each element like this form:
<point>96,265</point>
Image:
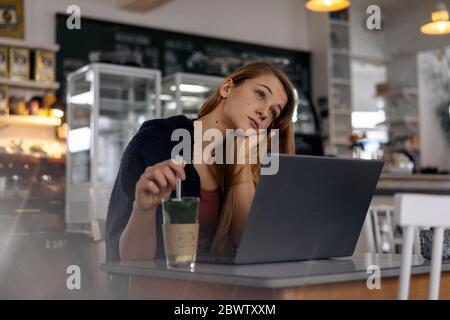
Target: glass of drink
<point>180,231</point>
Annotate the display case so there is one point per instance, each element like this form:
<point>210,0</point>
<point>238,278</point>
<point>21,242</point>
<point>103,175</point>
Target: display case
<point>106,105</point>
<point>184,93</point>
<point>308,139</point>
<point>305,118</point>
<point>332,79</point>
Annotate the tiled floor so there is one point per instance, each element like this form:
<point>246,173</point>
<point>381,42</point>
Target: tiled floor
<point>33,265</point>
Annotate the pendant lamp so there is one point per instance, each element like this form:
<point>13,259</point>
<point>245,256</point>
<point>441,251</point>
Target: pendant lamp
<point>440,24</point>
<point>327,5</point>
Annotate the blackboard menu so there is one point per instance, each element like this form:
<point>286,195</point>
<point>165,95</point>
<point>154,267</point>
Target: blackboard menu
<point>170,51</point>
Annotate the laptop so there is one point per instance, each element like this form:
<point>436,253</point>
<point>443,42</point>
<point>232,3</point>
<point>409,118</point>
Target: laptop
<point>313,208</point>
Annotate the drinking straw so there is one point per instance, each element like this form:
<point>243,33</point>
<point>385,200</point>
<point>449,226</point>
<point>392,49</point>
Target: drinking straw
<point>178,160</point>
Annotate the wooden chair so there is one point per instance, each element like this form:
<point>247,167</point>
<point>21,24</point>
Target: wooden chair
<point>420,210</point>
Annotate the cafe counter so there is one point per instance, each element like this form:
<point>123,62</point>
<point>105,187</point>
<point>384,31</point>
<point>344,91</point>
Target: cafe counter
<point>390,184</point>
<point>342,278</point>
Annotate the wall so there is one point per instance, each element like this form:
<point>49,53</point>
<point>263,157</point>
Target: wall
<point>267,22</point>
<point>400,34</point>
<point>366,44</point>
<point>279,23</point>
<point>404,39</point>
<point>402,72</point>
<point>434,90</point>
<point>406,42</point>
<point>365,77</point>
<point>404,36</point>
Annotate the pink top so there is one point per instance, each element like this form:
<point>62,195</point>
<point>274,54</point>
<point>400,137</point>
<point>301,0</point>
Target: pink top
<point>208,217</point>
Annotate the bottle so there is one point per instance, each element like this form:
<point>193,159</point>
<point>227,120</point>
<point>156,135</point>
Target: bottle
<point>4,104</point>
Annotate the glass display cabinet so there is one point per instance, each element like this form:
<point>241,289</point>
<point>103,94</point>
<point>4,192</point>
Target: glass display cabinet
<point>305,118</point>
<point>184,93</point>
<point>106,105</point>
<point>308,140</point>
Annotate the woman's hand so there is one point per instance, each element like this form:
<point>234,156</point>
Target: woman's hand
<point>252,147</point>
<point>157,183</point>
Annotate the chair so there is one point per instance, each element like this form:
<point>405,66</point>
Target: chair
<point>420,210</point>
<point>383,228</point>
<point>379,232</point>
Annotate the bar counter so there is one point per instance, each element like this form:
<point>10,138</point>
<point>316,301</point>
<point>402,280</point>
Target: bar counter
<point>389,184</point>
<point>340,278</point>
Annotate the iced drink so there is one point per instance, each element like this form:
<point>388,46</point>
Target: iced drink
<point>180,231</point>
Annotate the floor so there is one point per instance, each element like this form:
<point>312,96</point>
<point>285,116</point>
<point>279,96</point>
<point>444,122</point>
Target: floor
<point>37,261</point>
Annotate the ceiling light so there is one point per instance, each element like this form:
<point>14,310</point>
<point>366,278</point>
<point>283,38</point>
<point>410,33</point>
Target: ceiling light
<point>327,5</point>
<point>440,24</point>
<point>191,88</point>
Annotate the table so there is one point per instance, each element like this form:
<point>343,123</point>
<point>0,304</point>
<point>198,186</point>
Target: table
<point>340,278</point>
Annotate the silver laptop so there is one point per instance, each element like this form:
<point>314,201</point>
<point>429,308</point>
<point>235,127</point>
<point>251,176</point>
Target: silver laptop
<point>313,208</point>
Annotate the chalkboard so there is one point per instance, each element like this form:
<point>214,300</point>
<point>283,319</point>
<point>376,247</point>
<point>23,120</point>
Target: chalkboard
<point>170,51</point>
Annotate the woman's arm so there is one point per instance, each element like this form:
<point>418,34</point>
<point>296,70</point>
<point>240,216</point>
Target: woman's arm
<point>138,240</point>
<point>244,191</point>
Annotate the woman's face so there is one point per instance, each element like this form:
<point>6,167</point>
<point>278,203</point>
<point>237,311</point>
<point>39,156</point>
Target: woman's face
<point>255,103</point>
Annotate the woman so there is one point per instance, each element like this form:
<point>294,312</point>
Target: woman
<point>257,95</point>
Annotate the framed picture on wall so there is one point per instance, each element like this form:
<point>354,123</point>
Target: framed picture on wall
<point>12,19</point>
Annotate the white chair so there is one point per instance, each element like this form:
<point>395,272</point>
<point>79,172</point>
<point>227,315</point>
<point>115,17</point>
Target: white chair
<point>420,210</point>
<point>383,228</point>
<point>378,232</point>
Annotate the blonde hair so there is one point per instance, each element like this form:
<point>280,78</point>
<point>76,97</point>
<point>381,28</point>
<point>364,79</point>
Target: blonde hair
<point>227,175</point>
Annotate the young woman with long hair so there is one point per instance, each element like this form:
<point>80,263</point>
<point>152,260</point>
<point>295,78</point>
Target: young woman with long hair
<point>256,96</point>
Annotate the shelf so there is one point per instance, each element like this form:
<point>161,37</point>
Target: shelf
<point>30,84</point>
<point>340,142</point>
<point>378,126</point>
<point>342,112</point>
<point>345,52</point>
<point>410,122</point>
<point>341,23</point>
<point>341,131</point>
<point>28,44</point>
<point>342,81</point>
<point>118,105</point>
<point>115,126</point>
<point>407,91</point>
<point>404,120</point>
<point>32,121</point>
<point>346,127</point>
<point>124,102</point>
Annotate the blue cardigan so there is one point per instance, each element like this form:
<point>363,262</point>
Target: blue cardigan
<point>152,144</point>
